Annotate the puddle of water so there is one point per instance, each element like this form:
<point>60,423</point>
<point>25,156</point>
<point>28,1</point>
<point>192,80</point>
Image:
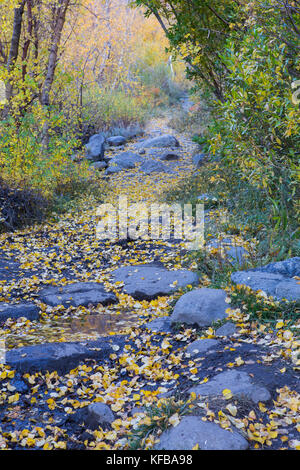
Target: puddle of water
<point>87,328</point>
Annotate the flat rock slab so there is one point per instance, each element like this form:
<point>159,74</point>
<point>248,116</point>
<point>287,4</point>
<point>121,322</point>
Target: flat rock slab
<point>93,416</point>
<point>209,436</point>
<point>275,279</point>
<point>201,307</point>
<point>161,141</point>
<point>26,310</point>
<point>75,295</point>
<point>149,282</point>
<point>201,346</point>
<point>61,357</point>
<point>239,383</point>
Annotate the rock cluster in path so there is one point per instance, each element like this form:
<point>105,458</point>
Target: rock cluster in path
<point>275,279</point>
<point>144,282</point>
<point>160,141</point>
<point>200,307</point>
<point>78,294</point>
<point>192,431</point>
<point>239,383</point>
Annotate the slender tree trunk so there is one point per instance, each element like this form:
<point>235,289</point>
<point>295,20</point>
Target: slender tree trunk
<point>59,22</point>
<point>13,52</point>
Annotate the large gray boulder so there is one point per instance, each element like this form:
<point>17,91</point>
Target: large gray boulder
<point>275,279</point>
<point>93,416</point>
<point>153,166</point>
<point>209,436</point>
<point>239,383</point>
<point>149,282</point>
<point>75,295</point>
<point>95,148</point>
<point>160,141</point>
<point>202,307</point>
<point>25,309</point>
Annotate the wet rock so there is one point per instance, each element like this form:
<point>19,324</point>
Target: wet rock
<point>202,307</point>
<point>209,436</point>
<point>80,293</point>
<point>201,346</point>
<point>61,357</point>
<point>25,309</point>
<point>147,282</point>
<point>160,141</point>
<point>95,148</point>
<point>93,416</point>
<point>227,329</point>
<point>239,383</point>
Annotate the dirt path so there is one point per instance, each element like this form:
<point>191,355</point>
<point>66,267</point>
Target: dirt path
<point>40,409</point>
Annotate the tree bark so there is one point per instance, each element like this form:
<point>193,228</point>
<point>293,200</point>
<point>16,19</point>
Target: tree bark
<point>13,52</point>
<point>59,22</point>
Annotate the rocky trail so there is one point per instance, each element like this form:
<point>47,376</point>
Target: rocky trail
<point>122,344</point>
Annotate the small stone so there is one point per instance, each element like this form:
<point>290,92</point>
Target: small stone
<point>227,329</point>
<point>160,141</point>
<point>93,416</point>
<point>116,141</point>
<point>170,156</point>
<point>201,346</point>
<point>199,159</point>
<point>160,325</point>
